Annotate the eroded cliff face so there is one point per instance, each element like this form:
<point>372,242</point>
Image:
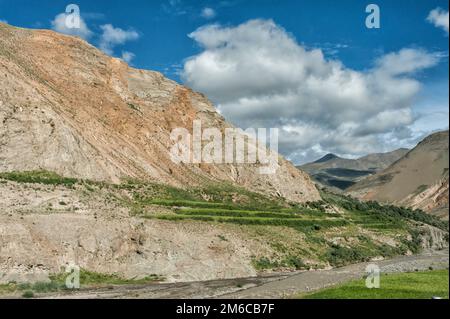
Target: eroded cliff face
<point>45,228</point>
<point>67,107</point>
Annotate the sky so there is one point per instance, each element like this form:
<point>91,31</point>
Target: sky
<point>310,68</point>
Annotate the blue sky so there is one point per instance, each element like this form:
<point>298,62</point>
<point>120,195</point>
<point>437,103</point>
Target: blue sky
<point>337,28</point>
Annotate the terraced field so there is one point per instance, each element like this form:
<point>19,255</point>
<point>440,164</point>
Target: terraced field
<point>296,218</point>
<point>336,231</point>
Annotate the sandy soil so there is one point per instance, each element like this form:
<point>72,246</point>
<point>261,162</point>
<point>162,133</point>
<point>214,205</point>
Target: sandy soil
<point>265,287</point>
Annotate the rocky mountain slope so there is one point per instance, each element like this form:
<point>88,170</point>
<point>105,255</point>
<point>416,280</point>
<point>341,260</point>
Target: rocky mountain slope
<point>419,179</point>
<point>339,173</point>
<point>86,179</point>
<point>68,108</point>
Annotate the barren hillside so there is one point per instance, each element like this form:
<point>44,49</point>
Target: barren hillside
<point>339,173</point>
<point>67,107</point>
<point>86,179</point>
<point>419,179</point>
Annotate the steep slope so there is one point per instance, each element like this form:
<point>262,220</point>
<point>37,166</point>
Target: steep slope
<point>67,107</point>
<point>339,173</point>
<point>419,179</point>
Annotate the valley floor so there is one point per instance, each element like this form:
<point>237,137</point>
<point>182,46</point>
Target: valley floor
<point>429,284</point>
<point>265,287</point>
<point>126,237</point>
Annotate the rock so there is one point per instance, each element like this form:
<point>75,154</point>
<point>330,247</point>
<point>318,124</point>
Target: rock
<point>87,115</point>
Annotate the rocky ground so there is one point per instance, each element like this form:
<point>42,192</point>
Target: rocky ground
<point>44,228</point>
<point>264,287</point>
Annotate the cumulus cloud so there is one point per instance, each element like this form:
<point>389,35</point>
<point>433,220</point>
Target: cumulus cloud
<point>112,37</point>
<point>208,13</point>
<point>439,17</point>
<point>259,76</point>
<point>59,25</point>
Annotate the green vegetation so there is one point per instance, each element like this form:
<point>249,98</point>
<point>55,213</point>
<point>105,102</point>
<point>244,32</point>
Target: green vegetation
<point>28,294</point>
<point>338,230</point>
<point>88,279</point>
<point>289,261</point>
<point>339,256</point>
<point>38,177</point>
<point>134,107</point>
<point>375,213</point>
<point>297,223</point>
<point>417,285</point>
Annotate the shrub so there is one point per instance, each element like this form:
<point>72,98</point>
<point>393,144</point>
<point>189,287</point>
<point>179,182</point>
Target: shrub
<point>340,256</point>
<point>28,294</point>
<point>295,262</point>
<point>264,263</point>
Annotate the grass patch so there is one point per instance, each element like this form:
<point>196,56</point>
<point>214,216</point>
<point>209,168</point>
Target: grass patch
<point>417,285</point>
<point>339,256</point>
<point>373,212</point>
<point>134,107</point>
<point>88,279</point>
<point>234,213</point>
<point>300,224</point>
<point>38,177</point>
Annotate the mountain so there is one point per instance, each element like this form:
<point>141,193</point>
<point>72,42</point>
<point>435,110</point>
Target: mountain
<point>419,179</point>
<point>68,108</point>
<point>86,179</point>
<point>327,158</point>
<point>339,173</point>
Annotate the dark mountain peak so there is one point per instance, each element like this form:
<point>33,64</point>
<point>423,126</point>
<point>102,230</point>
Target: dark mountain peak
<point>327,158</point>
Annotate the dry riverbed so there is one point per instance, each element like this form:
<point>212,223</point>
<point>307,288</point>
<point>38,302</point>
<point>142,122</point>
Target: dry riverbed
<point>261,287</point>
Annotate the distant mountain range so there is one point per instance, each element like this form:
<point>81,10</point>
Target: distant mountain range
<point>339,173</point>
<point>419,179</point>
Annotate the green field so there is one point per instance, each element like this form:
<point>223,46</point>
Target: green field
<point>416,285</point>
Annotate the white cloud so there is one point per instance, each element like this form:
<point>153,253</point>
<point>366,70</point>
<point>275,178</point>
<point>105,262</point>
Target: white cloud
<point>112,37</point>
<point>260,76</point>
<point>439,18</point>
<point>59,25</point>
<point>3,21</point>
<point>407,61</point>
<point>208,13</point>
<point>128,56</point>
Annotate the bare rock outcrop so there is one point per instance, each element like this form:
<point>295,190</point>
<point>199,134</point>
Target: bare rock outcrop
<point>67,107</point>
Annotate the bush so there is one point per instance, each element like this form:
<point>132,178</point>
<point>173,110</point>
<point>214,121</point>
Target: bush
<point>264,263</point>
<point>339,256</point>
<point>28,294</point>
<point>295,262</point>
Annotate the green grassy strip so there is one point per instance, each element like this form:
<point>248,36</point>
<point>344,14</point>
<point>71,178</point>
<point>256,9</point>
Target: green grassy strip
<point>259,221</point>
<point>38,177</point>
<point>241,213</point>
<point>58,283</point>
<point>188,203</point>
<point>233,213</point>
<point>417,285</point>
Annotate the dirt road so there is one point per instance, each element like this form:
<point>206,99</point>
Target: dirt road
<point>270,286</point>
